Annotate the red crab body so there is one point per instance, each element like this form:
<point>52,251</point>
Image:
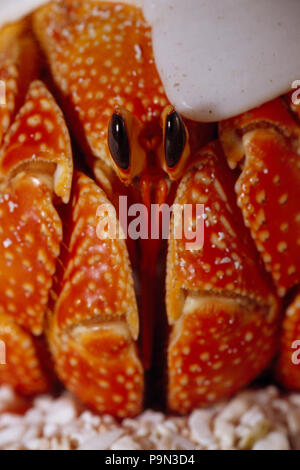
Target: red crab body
<point>63,286</point>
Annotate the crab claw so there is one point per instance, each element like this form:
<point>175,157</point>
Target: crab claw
<point>220,304</point>
<point>30,231</point>
<point>18,67</point>
<point>265,143</point>
<point>94,325</point>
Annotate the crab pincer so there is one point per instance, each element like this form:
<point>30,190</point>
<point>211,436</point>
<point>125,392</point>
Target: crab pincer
<point>94,324</point>
<point>264,144</point>
<point>35,168</point>
<point>221,306</point>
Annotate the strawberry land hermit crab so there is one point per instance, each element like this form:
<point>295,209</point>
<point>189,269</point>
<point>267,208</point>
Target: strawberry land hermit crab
<point>68,306</point>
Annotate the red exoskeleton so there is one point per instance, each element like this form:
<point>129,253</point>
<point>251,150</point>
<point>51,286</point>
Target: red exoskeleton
<point>63,288</point>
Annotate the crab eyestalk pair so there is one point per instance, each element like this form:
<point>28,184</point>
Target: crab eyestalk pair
<point>62,282</point>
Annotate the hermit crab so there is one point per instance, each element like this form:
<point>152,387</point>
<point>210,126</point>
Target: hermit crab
<point>86,121</point>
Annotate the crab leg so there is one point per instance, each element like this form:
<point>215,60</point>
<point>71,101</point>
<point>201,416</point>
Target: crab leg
<point>35,167</point>
<point>94,327</point>
<point>18,67</point>
<point>220,304</point>
<point>265,143</point>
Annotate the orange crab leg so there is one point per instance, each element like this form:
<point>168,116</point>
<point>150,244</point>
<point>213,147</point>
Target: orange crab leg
<point>266,142</point>
<point>35,165</point>
<point>18,67</point>
<point>94,327</point>
<point>220,304</point>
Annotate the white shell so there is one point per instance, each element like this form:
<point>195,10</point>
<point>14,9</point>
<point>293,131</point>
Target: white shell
<point>218,58</point>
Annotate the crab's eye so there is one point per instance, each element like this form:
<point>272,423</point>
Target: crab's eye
<point>174,138</point>
<point>128,157</point>
<point>174,151</point>
<point>118,141</point>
